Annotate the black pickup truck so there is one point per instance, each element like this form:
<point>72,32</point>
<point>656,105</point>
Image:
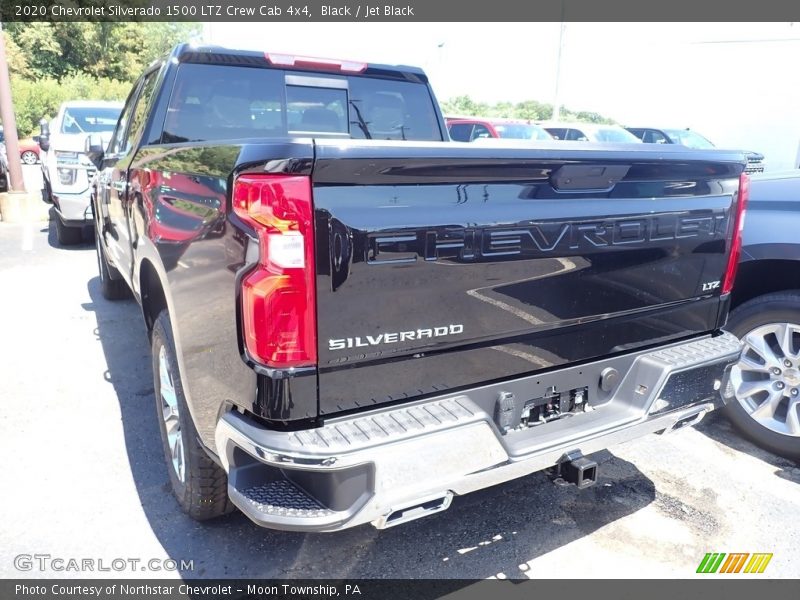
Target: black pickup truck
<point>354,319</point>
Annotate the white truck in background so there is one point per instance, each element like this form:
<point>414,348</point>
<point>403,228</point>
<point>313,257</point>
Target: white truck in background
<point>66,170</point>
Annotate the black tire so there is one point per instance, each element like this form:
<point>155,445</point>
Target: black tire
<point>112,286</point>
<point>778,307</point>
<point>66,235</point>
<point>87,233</point>
<point>47,192</point>
<point>29,157</point>
<point>203,493</point>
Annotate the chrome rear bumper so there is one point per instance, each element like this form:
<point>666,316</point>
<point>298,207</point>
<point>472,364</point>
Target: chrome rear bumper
<point>396,464</point>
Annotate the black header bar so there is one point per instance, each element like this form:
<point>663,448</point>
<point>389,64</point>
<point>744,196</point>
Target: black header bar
<point>400,11</point>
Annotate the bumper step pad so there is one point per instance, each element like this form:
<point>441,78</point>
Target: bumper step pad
<point>700,351</point>
<point>283,498</point>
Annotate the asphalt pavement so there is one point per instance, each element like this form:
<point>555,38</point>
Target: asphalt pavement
<point>84,475</point>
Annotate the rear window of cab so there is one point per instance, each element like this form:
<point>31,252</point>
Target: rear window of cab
<point>214,102</point>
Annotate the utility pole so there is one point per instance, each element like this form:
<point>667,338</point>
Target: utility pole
<point>15,181</point>
<point>439,72</point>
<point>556,98</point>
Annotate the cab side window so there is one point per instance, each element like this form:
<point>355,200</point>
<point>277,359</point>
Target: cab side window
<point>481,131</point>
<point>117,144</point>
<point>639,133</point>
<point>576,135</point>
<point>461,132</point>
<point>141,110</point>
<point>651,136</point>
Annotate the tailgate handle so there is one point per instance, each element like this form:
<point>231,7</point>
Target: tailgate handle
<point>587,177</point>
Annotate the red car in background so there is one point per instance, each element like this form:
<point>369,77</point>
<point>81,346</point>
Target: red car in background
<point>28,148</point>
<point>468,129</point>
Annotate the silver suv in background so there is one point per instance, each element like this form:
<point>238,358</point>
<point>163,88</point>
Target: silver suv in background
<point>692,139</point>
<point>590,132</point>
<point>66,169</point>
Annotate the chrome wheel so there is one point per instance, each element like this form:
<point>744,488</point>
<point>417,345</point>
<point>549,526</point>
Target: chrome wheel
<point>170,414</point>
<point>29,158</point>
<point>767,377</point>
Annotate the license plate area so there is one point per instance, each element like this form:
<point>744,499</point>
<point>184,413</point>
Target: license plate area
<point>554,405</point>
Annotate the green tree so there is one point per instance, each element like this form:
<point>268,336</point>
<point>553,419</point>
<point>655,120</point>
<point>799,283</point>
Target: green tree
<point>163,36</point>
<point>591,117</point>
<point>54,62</point>
<point>532,110</point>
<point>17,63</point>
<point>464,105</point>
<point>119,50</point>
<point>40,48</point>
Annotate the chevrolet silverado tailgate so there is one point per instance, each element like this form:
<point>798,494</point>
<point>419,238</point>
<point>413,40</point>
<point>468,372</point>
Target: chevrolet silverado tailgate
<point>440,266</point>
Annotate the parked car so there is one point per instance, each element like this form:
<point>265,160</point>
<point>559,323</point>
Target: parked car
<point>358,330</point>
<point>66,170</point>
<point>28,148</point>
<point>3,168</point>
<point>691,139</point>
<point>766,316</point>
<point>463,129</point>
<point>590,132</point>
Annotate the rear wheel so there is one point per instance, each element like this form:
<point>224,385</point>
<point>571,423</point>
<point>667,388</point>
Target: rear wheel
<point>199,484</point>
<point>766,380</point>
<point>29,157</point>
<point>66,235</point>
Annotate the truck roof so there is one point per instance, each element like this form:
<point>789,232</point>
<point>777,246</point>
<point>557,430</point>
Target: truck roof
<point>288,60</point>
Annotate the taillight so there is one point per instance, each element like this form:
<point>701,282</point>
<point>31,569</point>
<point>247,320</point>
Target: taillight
<point>278,296</point>
<point>738,227</point>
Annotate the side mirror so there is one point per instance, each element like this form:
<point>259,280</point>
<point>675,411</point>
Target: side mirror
<point>94,147</point>
<point>44,138</point>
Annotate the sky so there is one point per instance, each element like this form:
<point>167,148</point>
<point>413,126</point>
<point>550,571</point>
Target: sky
<point>736,83</point>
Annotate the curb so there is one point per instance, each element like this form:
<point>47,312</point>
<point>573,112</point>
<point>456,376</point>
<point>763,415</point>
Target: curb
<point>23,207</point>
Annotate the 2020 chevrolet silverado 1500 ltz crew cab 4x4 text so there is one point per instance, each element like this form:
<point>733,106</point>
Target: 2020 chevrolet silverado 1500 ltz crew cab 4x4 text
<point>354,319</point>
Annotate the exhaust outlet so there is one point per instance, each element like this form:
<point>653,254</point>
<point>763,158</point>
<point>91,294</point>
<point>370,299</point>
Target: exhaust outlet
<point>689,420</point>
